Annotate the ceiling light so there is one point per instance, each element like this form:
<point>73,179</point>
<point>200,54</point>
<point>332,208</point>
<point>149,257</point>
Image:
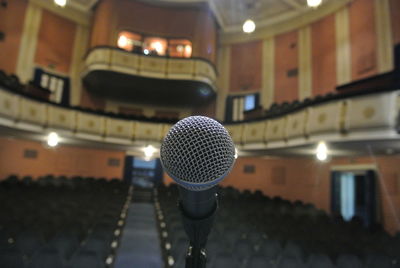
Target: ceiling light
<point>158,47</point>
<point>314,3</point>
<point>322,151</point>
<point>122,41</point>
<point>249,26</point>
<point>61,3</point>
<point>53,139</point>
<point>149,151</point>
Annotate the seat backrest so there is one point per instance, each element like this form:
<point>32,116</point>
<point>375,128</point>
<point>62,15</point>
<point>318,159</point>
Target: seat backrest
<point>11,258</point>
<point>319,261</point>
<point>290,262</point>
<point>47,258</point>
<point>224,260</point>
<point>271,249</point>
<point>348,261</point>
<point>86,259</point>
<point>260,262</point>
<point>377,261</point>
<point>293,251</point>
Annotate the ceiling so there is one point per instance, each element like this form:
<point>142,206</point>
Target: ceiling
<point>232,13</point>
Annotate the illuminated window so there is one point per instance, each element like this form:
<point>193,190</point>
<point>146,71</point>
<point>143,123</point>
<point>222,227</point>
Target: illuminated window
<point>155,46</point>
<point>129,41</point>
<point>181,48</point>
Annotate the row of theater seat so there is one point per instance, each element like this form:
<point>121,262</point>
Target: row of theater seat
<point>252,230</point>
<point>60,222</point>
<point>12,83</point>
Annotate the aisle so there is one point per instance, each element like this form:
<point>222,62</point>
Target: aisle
<point>140,243</point>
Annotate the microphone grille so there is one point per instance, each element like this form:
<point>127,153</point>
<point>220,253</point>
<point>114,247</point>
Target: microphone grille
<point>197,152</point>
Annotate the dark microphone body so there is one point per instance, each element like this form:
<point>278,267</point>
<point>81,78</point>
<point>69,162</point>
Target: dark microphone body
<point>197,153</point>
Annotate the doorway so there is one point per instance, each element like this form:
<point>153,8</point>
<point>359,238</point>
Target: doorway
<point>142,173</point>
<point>354,195</point>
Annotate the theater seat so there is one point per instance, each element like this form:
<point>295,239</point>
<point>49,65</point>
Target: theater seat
<point>11,258</point>
<point>224,260</point>
<point>86,259</point>
<point>259,262</point>
<point>47,258</point>
<point>377,261</point>
<point>319,261</point>
<point>290,262</point>
<point>348,261</point>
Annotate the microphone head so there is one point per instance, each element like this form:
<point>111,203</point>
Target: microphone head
<point>197,153</point>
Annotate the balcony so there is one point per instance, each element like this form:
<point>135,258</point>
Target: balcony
<point>117,74</point>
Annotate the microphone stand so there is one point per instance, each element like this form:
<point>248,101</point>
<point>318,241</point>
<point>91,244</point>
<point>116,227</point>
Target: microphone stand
<point>197,229</point>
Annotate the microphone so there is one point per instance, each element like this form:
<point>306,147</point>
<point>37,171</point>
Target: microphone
<point>197,153</point>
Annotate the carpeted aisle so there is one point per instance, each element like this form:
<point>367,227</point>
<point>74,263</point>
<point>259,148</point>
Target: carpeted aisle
<point>140,244</point>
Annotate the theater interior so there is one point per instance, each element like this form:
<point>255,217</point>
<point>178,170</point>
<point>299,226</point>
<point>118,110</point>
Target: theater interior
<point>308,90</point>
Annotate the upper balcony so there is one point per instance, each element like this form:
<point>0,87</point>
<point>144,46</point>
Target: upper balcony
<point>158,80</point>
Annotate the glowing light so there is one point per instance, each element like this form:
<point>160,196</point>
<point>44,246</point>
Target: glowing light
<point>322,151</point>
<point>188,50</point>
<point>146,52</point>
<point>61,3</point>
<point>236,153</point>
<point>53,139</point>
<point>314,3</point>
<point>149,151</point>
<point>123,41</point>
<point>157,46</point>
<point>249,26</point>
<point>179,48</point>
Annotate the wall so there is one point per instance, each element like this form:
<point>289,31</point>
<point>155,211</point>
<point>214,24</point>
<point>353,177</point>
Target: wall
<point>363,39</point>
<point>102,23</point>
<point>62,160</point>
<point>323,56</point>
<point>245,69</point>
<point>395,15</point>
<point>11,23</point>
<point>286,60</point>
<point>55,42</point>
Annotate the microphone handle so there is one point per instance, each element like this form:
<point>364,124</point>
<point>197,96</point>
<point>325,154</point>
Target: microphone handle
<point>198,204</point>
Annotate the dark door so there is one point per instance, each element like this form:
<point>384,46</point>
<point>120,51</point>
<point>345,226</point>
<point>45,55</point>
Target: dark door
<point>353,194</point>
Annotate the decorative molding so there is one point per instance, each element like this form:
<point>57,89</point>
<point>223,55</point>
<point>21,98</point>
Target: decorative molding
<point>305,63</point>
<point>384,36</point>
<point>79,50</point>
<point>76,15</point>
<point>343,52</point>
<point>27,49</point>
<point>224,62</point>
<point>290,24</point>
<point>268,73</point>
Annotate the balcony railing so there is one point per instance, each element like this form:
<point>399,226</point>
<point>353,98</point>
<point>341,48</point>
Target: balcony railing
<point>117,60</point>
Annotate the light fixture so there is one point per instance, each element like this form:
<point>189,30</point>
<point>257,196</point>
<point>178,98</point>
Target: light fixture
<point>146,52</point>
<point>322,151</point>
<point>53,139</point>
<point>157,46</point>
<point>249,26</point>
<point>123,41</point>
<point>61,3</point>
<point>314,3</point>
<point>149,151</point>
